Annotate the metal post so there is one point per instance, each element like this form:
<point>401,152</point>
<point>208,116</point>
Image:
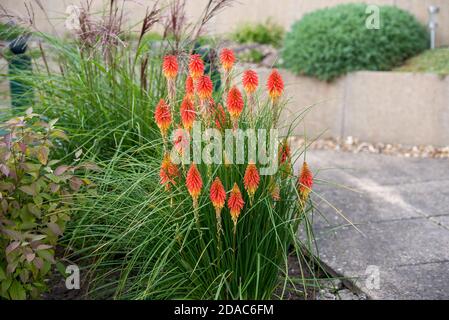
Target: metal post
<point>433,25</point>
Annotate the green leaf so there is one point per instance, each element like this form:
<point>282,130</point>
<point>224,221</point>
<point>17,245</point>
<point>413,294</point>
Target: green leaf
<point>55,229</point>
<point>52,122</point>
<point>34,210</point>
<point>29,190</point>
<point>38,200</point>
<point>2,274</point>
<point>42,154</point>
<point>61,268</point>
<point>60,170</point>
<point>59,134</point>
<point>5,285</point>
<point>46,255</point>
<point>17,291</point>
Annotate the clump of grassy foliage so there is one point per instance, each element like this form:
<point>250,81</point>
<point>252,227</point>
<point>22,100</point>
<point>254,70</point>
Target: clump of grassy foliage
<point>10,32</point>
<point>142,240</point>
<point>267,32</point>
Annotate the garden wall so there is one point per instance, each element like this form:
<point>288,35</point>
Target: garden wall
<point>385,107</point>
<point>283,11</point>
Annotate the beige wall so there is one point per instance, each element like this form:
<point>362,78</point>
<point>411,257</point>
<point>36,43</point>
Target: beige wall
<point>283,11</point>
<point>389,107</point>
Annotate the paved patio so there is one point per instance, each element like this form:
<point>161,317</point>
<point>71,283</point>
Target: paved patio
<point>400,207</point>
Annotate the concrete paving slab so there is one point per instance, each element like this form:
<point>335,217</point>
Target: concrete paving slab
<point>401,214</point>
<point>386,170</point>
<point>443,221</point>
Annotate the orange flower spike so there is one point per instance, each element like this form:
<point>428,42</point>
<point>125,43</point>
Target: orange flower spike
<point>168,172</point>
<point>250,81</point>
<point>251,180</point>
<point>235,204</point>
<point>188,114</point>
<point>275,85</point>
<point>162,116</point>
<point>170,67</point>
<point>194,183</point>
<point>227,59</point>
<point>196,66</point>
<point>305,182</point>
<point>189,87</point>
<point>218,198</point>
<point>217,194</point>
<point>204,88</point>
<point>235,103</point>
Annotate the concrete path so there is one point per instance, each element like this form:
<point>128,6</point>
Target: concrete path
<point>401,208</point>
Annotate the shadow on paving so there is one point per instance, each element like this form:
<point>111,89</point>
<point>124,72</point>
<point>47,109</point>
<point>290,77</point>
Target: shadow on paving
<point>397,247</point>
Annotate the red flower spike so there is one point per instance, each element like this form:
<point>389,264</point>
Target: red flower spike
<point>196,66</point>
<point>227,59</point>
<point>162,116</point>
<point>218,198</point>
<point>190,87</point>
<point>168,172</point>
<point>275,85</point>
<point>250,81</point>
<point>194,183</point>
<point>251,180</point>
<point>170,67</point>
<point>204,87</point>
<point>305,182</point>
<point>188,113</point>
<point>235,103</point>
<point>217,194</point>
<point>235,204</point>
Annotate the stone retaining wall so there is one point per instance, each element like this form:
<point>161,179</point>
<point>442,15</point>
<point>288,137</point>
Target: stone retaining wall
<point>388,107</point>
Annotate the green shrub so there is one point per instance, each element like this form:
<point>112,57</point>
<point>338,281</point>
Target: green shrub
<point>331,42</point>
<point>36,197</point>
<point>252,56</point>
<point>267,32</point>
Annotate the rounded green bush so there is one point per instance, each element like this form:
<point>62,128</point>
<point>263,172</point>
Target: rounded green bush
<point>331,42</point>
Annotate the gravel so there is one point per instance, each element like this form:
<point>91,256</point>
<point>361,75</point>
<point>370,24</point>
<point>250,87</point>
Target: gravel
<point>351,144</point>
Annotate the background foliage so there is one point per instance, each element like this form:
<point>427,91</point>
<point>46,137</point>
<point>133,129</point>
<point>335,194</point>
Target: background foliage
<point>331,42</point>
<point>267,32</point>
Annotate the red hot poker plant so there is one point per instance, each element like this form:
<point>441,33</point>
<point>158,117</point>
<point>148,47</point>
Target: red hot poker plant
<point>275,191</point>
<point>163,117</point>
<point>218,198</point>
<point>235,105</point>
<point>188,113</point>
<point>196,66</point>
<point>305,183</point>
<point>235,204</point>
<point>251,180</point>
